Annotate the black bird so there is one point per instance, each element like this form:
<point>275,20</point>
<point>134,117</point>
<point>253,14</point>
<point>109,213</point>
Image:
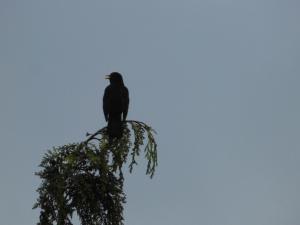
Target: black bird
<point>115,105</point>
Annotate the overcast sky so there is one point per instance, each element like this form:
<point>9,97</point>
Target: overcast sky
<point>218,79</point>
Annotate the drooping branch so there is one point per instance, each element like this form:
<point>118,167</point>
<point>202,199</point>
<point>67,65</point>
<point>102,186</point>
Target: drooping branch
<point>139,129</point>
<point>87,177</point>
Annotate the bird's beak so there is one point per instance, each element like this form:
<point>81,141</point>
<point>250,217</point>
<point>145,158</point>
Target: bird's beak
<point>107,77</point>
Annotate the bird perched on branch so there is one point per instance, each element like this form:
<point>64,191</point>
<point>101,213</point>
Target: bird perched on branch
<point>115,105</point>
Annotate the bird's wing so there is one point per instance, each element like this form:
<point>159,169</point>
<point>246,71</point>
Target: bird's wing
<point>106,101</point>
<point>125,101</point>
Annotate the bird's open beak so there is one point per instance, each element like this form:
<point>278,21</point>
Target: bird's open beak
<point>107,77</point>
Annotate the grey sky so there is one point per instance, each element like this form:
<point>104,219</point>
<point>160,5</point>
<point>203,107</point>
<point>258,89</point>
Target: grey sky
<point>218,79</point>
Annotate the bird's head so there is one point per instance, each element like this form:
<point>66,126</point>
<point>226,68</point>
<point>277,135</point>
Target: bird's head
<point>115,78</point>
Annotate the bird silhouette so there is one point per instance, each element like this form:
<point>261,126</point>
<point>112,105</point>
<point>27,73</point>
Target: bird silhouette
<point>115,105</point>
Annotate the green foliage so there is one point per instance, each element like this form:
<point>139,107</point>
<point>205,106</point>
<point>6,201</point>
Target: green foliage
<point>87,177</point>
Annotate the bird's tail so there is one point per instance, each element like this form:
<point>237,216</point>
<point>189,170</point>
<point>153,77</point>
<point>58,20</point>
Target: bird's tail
<point>115,128</point>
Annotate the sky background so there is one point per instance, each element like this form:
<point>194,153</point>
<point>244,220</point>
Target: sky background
<point>218,79</point>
